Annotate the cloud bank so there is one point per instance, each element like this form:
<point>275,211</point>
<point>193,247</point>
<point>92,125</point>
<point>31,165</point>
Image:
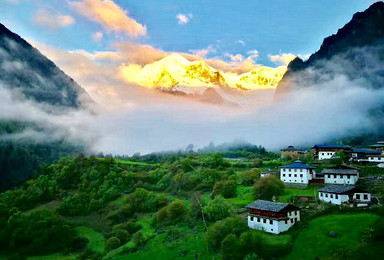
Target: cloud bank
<point>111,16</point>
<point>134,119</point>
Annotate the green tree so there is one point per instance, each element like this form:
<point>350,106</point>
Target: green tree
<point>250,177</point>
<point>112,243</point>
<point>266,188</point>
<point>177,211</point>
<point>230,248</point>
<point>218,231</point>
<point>226,188</point>
<point>218,209</point>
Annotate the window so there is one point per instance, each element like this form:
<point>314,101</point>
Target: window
<point>286,221</point>
<point>357,196</point>
<point>295,170</point>
<point>289,170</point>
<point>322,153</point>
<point>365,196</point>
<point>283,170</point>
<point>283,174</point>
<point>326,195</point>
<point>348,176</point>
<point>295,175</point>
<point>270,221</point>
<point>289,175</point>
<point>320,194</point>
<point>331,196</point>
<point>336,196</point>
<point>264,221</point>
<point>292,220</point>
<point>251,218</point>
<point>301,176</point>
<point>301,170</point>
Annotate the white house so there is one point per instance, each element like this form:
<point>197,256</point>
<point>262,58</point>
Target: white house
<point>339,194</point>
<point>341,175</point>
<point>376,159</point>
<point>364,155</point>
<point>267,173</point>
<point>323,152</point>
<point>297,172</point>
<point>272,217</point>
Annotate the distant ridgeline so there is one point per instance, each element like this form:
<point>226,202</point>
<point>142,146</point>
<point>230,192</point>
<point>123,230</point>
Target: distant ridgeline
<point>355,46</point>
<point>29,75</point>
<point>356,52</point>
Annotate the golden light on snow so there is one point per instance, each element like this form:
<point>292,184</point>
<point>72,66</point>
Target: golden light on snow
<point>175,70</point>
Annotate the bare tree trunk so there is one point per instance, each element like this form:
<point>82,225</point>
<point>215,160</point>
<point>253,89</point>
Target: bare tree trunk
<point>202,213</point>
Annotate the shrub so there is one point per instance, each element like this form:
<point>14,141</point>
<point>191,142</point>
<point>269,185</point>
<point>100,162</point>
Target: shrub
<point>226,188</point>
<point>230,248</point>
<point>177,211</point>
<point>266,188</point>
<point>112,243</point>
<point>249,177</point>
<point>173,213</point>
<point>218,231</point>
<point>217,209</point>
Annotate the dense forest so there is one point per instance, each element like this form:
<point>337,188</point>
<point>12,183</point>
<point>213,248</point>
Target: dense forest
<point>184,204</point>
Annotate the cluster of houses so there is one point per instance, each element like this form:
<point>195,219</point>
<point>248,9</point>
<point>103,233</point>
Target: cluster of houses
<point>324,152</point>
<point>338,185</point>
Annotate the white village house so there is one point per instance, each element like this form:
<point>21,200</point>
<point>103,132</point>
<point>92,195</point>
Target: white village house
<point>272,217</point>
<point>341,175</point>
<point>323,152</point>
<point>297,172</point>
<point>339,194</point>
<point>364,155</point>
<point>267,173</point>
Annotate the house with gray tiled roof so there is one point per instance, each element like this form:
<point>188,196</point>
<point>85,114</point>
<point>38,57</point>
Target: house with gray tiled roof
<point>341,175</point>
<point>340,194</point>
<point>272,217</point>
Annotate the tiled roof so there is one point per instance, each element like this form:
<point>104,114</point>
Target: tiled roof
<point>269,205</point>
<point>339,189</point>
<point>366,151</point>
<point>329,146</point>
<point>291,148</point>
<point>298,165</point>
<point>341,171</point>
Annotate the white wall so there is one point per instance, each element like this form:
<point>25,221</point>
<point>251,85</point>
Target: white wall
<point>336,199</point>
<point>340,179</point>
<point>360,197</point>
<point>325,155</point>
<point>375,159</point>
<point>277,226</point>
<point>291,175</point>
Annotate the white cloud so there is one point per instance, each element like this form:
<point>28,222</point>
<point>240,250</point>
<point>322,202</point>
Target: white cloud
<point>240,42</point>
<point>51,20</point>
<point>111,16</point>
<point>97,36</point>
<point>284,58</point>
<point>184,18</point>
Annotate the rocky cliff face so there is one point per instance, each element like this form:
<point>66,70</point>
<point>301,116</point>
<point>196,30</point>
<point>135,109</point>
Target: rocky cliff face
<point>356,51</point>
<point>25,69</point>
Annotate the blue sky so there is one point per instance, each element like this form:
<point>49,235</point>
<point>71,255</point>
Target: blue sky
<point>226,26</point>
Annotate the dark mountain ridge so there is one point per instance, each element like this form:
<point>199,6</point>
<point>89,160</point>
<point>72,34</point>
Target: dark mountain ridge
<point>350,49</point>
<point>25,69</point>
<point>31,76</point>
